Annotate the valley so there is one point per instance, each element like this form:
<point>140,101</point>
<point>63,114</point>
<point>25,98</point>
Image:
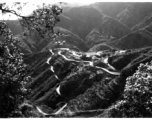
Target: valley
<point>94,61</point>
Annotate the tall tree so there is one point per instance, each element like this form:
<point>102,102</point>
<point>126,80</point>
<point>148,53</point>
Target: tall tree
<point>13,71</point>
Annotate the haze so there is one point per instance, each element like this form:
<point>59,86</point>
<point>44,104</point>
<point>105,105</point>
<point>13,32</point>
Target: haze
<point>28,9</point>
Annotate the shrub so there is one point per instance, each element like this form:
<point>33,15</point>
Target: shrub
<point>13,77</point>
<point>137,97</point>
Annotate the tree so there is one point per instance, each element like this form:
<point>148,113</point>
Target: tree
<point>137,100</point>
<point>13,71</point>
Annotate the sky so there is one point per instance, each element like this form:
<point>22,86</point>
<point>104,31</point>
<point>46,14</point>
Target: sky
<point>33,5</point>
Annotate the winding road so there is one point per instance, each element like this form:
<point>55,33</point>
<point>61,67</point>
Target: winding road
<point>58,90</point>
<point>40,111</point>
<point>54,73</point>
<point>92,64</point>
<point>60,109</point>
<point>72,60</point>
<point>106,62</point>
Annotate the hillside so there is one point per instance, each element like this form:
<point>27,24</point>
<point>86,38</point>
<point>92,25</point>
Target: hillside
<point>70,83</point>
<point>111,9</point>
<point>137,39</point>
<point>144,23</point>
<point>127,18</point>
<point>134,13</point>
<point>83,20</point>
<point>99,64</point>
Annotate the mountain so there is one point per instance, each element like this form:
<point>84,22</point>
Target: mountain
<point>15,26</point>
<point>95,37</point>
<point>79,25</point>
<point>127,18</point>
<point>144,23</point>
<point>134,13</point>
<point>69,39</point>
<point>32,41</point>
<point>140,10</point>
<point>99,67</point>
<point>111,9</point>
<point>95,68</point>
<point>72,84</point>
<point>137,39</point>
<point>82,20</point>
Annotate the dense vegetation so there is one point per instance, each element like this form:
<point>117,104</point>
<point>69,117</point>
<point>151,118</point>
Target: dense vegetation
<point>137,100</point>
<point>107,83</point>
<point>13,71</point>
<point>13,74</point>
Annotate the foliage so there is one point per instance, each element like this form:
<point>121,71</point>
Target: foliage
<point>13,78</point>
<point>43,20</point>
<point>13,71</point>
<point>137,97</point>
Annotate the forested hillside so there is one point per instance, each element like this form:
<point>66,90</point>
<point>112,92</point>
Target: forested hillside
<point>79,61</point>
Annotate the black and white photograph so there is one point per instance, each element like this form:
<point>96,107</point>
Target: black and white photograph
<point>75,59</point>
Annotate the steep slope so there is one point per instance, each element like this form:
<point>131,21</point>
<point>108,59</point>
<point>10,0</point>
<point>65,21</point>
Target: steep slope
<point>136,100</point>
<point>76,23</point>
<point>137,39</point>
<point>71,83</point>
<point>134,13</point>
<point>84,19</point>
<point>144,23</point>
<point>95,37</point>
<point>71,71</point>
<point>127,18</point>
<point>15,26</point>
<point>32,42</point>
<point>68,40</point>
<point>112,27</point>
<point>111,9</point>
<point>140,10</point>
<point>30,39</point>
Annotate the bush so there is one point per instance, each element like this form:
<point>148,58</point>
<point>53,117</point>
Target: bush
<point>13,77</point>
<point>137,97</point>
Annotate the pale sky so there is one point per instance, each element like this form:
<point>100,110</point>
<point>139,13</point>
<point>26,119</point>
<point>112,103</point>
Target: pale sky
<point>33,4</point>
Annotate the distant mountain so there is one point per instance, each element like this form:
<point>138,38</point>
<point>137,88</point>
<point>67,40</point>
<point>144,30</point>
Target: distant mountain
<point>32,42</point>
<point>137,39</point>
<point>95,37</point>
<point>15,26</point>
<point>127,18</point>
<point>140,10</point>
<point>111,9</point>
<point>69,39</point>
<point>134,13</point>
<point>144,23</point>
<point>82,20</point>
<point>78,25</point>
<point>87,26</point>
